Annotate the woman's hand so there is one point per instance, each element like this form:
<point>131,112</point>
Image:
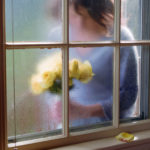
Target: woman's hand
<point>76,111</point>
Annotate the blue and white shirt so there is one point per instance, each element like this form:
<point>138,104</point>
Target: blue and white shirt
<point>100,89</point>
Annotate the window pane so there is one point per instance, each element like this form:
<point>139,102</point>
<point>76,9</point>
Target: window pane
<point>134,83</point>
<point>33,90</point>
<point>91,94</point>
<point>145,74</point>
<point>91,21</point>
<point>33,20</point>
<point>135,22</point>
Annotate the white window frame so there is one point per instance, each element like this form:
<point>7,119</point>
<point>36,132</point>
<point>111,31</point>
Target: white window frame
<point>67,138</point>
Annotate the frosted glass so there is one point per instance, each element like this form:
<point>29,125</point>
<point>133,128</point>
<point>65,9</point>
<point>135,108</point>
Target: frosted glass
<point>29,112</point>
<point>87,22</point>
<point>33,20</point>
<point>93,91</point>
<point>137,20</point>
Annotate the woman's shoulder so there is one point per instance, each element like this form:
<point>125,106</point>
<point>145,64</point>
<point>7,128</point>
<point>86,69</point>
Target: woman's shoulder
<point>126,33</point>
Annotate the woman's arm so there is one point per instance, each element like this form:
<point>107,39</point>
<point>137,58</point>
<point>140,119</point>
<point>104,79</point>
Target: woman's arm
<point>77,111</point>
<point>128,83</point>
<point>95,110</point>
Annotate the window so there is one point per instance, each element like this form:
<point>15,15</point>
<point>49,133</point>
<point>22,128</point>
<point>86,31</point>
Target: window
<point>38,29</point>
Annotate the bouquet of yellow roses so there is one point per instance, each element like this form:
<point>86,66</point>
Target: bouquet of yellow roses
<point>49,74</point>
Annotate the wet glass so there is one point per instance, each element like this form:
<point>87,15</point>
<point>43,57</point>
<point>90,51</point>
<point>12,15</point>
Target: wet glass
<point>34,20</point>
<point>92,81</point>
<point>31,98</point>
<point>135,22</point>
<point>134,99</point>
<point>88,24</point>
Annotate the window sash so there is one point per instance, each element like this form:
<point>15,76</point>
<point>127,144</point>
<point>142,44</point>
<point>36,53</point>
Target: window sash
<point>65,45</point>
<point>45,143</point>
<point>3,112</point>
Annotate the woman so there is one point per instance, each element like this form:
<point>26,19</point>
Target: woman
<point>92,20</point>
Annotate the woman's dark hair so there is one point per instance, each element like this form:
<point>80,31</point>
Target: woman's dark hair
<point>99,10</point>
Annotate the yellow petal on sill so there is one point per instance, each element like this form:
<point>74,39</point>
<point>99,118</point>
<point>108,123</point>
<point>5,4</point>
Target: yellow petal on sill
<point>125,137</point>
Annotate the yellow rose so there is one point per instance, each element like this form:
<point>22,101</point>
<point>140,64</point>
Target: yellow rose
<point>36,84</point>
<point>50,63</point>
<point>48,79</point>
<point>74,69</point>
<point>85,72</point>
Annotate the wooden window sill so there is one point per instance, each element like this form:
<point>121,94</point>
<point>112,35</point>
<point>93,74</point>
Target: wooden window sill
<point>111,143</point>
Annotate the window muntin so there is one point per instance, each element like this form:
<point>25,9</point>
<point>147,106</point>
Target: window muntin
<point>127,43</point>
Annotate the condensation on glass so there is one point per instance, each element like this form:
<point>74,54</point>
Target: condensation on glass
<point>130,86</point>
<point>95,93</point>
<point>135,20</point>
<point>30,113</point>
<point>34,20</point>
<point>88,22</point>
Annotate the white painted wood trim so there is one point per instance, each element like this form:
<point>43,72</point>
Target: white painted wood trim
<point>116,64</point>
<point>110,143</point>
<point>50,45</point>
<point>3,99</point>
<point>65,59</point>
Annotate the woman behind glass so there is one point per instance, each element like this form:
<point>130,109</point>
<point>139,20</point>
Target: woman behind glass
<point>92,20</point>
